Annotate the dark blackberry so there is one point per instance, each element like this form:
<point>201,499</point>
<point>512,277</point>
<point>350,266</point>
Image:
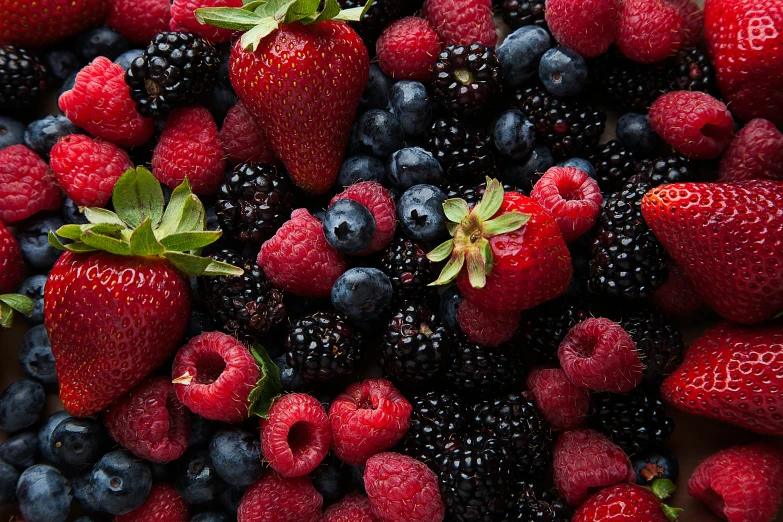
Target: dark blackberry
<point>437,419</point>
<point>245,306</point>
<point>23,78</point>
<point>380,14</point>
<point>614,165</point>
<point>174,71</point>
<point>408,268</point>
<point>627,260</point>
<point>465,152</point>
<point>254,201</point>
<point>531,505</point>
<point>633,86</point>
<point>467,78</point>
<point>517,13</point>
<point>691,70</point>
<point>668,169</point>
<point>472,194</point>
<point>323,346</point>
<point>565,125</point>
<point>658,340</point>
<point>543,328</point>
<point>475,369</point>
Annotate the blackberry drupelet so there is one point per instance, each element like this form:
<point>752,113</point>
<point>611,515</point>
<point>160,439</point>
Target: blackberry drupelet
<point>543,328</point>
<point>668,169</point>
<point>531,505</point>
<point>633,86</point>
<point>475,369</point>
<point>254,201</point>
<point>438,418</point>
<point>467,78</point>
<point>174,71</point>
<point>472,194</point>
<point>658,341</point>
<point>406,264</point>
<point>245,306</point>
<point>380,14</point>
<point>323,346</point>
<point>465,152</point>
<point>23,78</point>
<point>517,13</point>
<point>691,70</point>
<point>627,260</point>
<point>614,165</point>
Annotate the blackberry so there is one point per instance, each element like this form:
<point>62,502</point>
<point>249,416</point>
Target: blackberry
<point>633,86</point>
<point>245,306</point>
<point>478,369</point>
<point>658,340</point>
<point>627,260</point>
<point>466,153</point>
<point>691,70</point>
<point>23,78</point>
<point>437,419</point>
<point>254,201</point>
<point>467,78</point>
<point>517,13</point>
<point>667,169</point>
<point>531,505</point>
<point>543,328</point>
<point>380,14</point>
<point>472,194</point>
<point>567,126</point>
<point>323,346</point>
<point>174,71</point>
<point>408,268</point>
<point>614,165</point>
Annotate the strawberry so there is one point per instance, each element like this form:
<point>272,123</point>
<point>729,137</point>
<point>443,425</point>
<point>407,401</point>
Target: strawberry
<point>117,302</point>
<point>728,239</point>
<point>302,74</point>
<point>745,40</point>
<point>628,503</point>
<point>512,250</point>
<point>39,23</point>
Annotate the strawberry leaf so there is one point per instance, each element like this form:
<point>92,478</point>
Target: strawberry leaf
<point>101,215</point>
<point>186,241</point>
<point>175,209</point>
<point>451,270</point>
<point>330,10</point>
<point>143,242</point>
<point>671,513</point>
<point>137,195</point>
<point>252,39</point>
<point>269,386</point>
<point>106,243</point>
<point>296,10</point>
<point>354,14</point>
<point>663,489</point>
<point>228,18</point>
<point>193,216</point>
<point>504,224</point>
<point>20,303</point>
<point>196,266</point>
<point>477,274</point>
<point>456,209</point>
<point>491,201</point>
<point>441,252</point>
<point>72,232</point>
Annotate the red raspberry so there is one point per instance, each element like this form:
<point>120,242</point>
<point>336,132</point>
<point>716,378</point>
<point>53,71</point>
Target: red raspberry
<point>486,327</point>
<point>242,140</point>
<point>599,355</point>
<point>692,122</point>
<point>585,459</point>
<point>676,297</point>
<point>353,508</point>
<point>408,49</point>
<point>461,22</point>
<point>139,20</point>
<point>380,203</point>
<point>692,20</point>
<point>367,418</point>
<point>296,435</point>
<point>649,31</point>
<point>564,404</point>
<point>88,169</point>
<point>27,185</point>
<point>274,498</point>
<point>755,153</point>
<point>214,375</point>
<point>621,503</point>
<point>298,258</point>
<point>741,484</point>
<point>183,19</point>
<point>587,26</point>
<point>572,197</point>
<point>150,422</point>
<point>11,263</point>
<point>100,103</point>
<point>190,146</point>
<point>162,505</point>
<point>402,489</point>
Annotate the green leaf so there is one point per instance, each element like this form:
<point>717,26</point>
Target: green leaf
<point>330,10</point>
<point>663,489</point>
<point>451,270</point>
<point>354,14</point>
<point>80,248</point>
<point>486,253</point>
<point>187,263</point>
<point>491,201</point>
<point>173,214</point>
<point>504,224</point>
<point>55,241</point>
<point>186,241</point>
<point>252,39</point>
<point>296,10</point>
<point>251,5</point>
<point>20,303</point>
<point>72,232</point>
<point>106,243</point>
<point>228,17</point>
<point>456,209</point>
<point>137,195</point>
<point>451,227</point>
<point>671,513</point>
<point>107,229</point>
<point>6,316</point>
<point>193,216</point>
<point>477,274</point>
<point>441,252</point>
<point>143,242</point>
<point>268,387</point>
<point>101,215</point>
<point>217,268</point>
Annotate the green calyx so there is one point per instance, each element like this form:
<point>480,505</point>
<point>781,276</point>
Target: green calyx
<point>259,18</point>
<point>142,225</point>
<point>14,302</point>
<point>663,489</point>
<point>470,231</point>
<point>269,386</point>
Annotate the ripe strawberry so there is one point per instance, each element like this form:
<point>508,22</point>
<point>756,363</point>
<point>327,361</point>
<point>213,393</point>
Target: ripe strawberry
<point>621,503</point>
<point>11,263</point>
<point>39,23</point>
<point>728,238</point>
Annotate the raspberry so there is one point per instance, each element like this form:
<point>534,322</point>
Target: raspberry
<point>486,327</point>
<point>150,422</point>
<point>242,140</point>
<point>296,435</point>
<point>402,489</point>
<point>367,418</point>
<point>88,169</point>
<point>139,20</point>
<point>585,459</point>
<point>599,355</point>
<point>586,26</point>
<point>184,20</point>
<point>755,153</point>
<point>564,404</point>
<point>692,20</point>
<point>11,263</point>
<point>380,203</point>
<point>100,103</point>
<point>162,505</point>
<point>741,484</point>
<point>274,498</point>
<point>649,31</point>
<point>190,146</point>
<point>353,508</point>
<point>572,197</point>
<point>298,258</point>
<point>27,185</point>
<point>461,22</point>
<point>693,122</point>
<point>677,297</point>
<point>213,376</point>
<point>408,49</point>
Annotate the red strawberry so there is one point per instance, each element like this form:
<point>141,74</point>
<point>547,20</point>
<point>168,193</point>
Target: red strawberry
<point>39,23</point>
<point>621,503</point>
<point>11,263</point>
<point>728,238</point>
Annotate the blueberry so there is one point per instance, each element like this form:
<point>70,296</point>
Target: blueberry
<point>220,100</point>
<point>196,479</point>
<point>361,167</point>
<point>379,132</point>
<point>563,71</point>
<point>101,41</point>
<point>67,84</point>
<point>236,456</point>
<point>230,499</point>
<point>362,293</point>
<point>413,166</point>
<point>655,464</point>
<point>33,287</point>
<point>11,132</point>
<point>82,492</point>
<point>62,64</point>
<point>43,494</point>
<point>525,174</point>
<point>35,355</point>
<point>78,443</point>
<point>450,299</point>
<point>420,211</point>
<point>20,449</point>
<point>8,479</point>
<point>348,226</point>
<point>291,379</point>
<point>409,102</point>
<point>42,135</point>
<point>376,93</point>
<point>514,135</point>
<point>635,132</point>
<point>520,53</point>
<point>45,433</point>
<point>201,431</point>
<point>71,213</point>
<point>119,482</point>
<point>124,60</point>
<point>210,516</point>
<point>33,239</point>
<point>581,164</point>
<point>332,480</point>
<point>21,404</point>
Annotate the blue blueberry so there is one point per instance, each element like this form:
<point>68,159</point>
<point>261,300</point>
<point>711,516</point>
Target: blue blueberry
<point>563,71</point>
<point>409,102</point>
<point>62,64</point>
<point>8,480</point>
<point>43,494</point>
<point>201,431</point>
<point>379,132</point>
<point>196,479</point>
<point>520,53</point>
<point>514,135</point>
<point>221,99</point>
<point>35,355</point>
<point>420,211</point>
<point>11,132</point>
<point>291,379</point>
<point>21,404</point>
<point>33,239</point>
<point>124,60</point>
<point>450,299</point>
<point>20,449</point>
<point>45,433</point>
<point>636,133</point>
<point>581,164</point>
<point>211,516</point>
<point>67,84</point>
<point>361,167</point>
<point>236,456</point>
<point>71,213</point>
<point>230,499</point>
<point>82,493</point>
<point>376,93</point>
<point>348,226</point>
<point>101,41</point>
<point>332,480</point>
<point>413,166</point>
<point>524,174</point>
<point>362,293</point>
<point>119,483</point>
<point>42,135</point>
<point>77,444</point>
<point>655,464</point>
<point>33,287</point>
